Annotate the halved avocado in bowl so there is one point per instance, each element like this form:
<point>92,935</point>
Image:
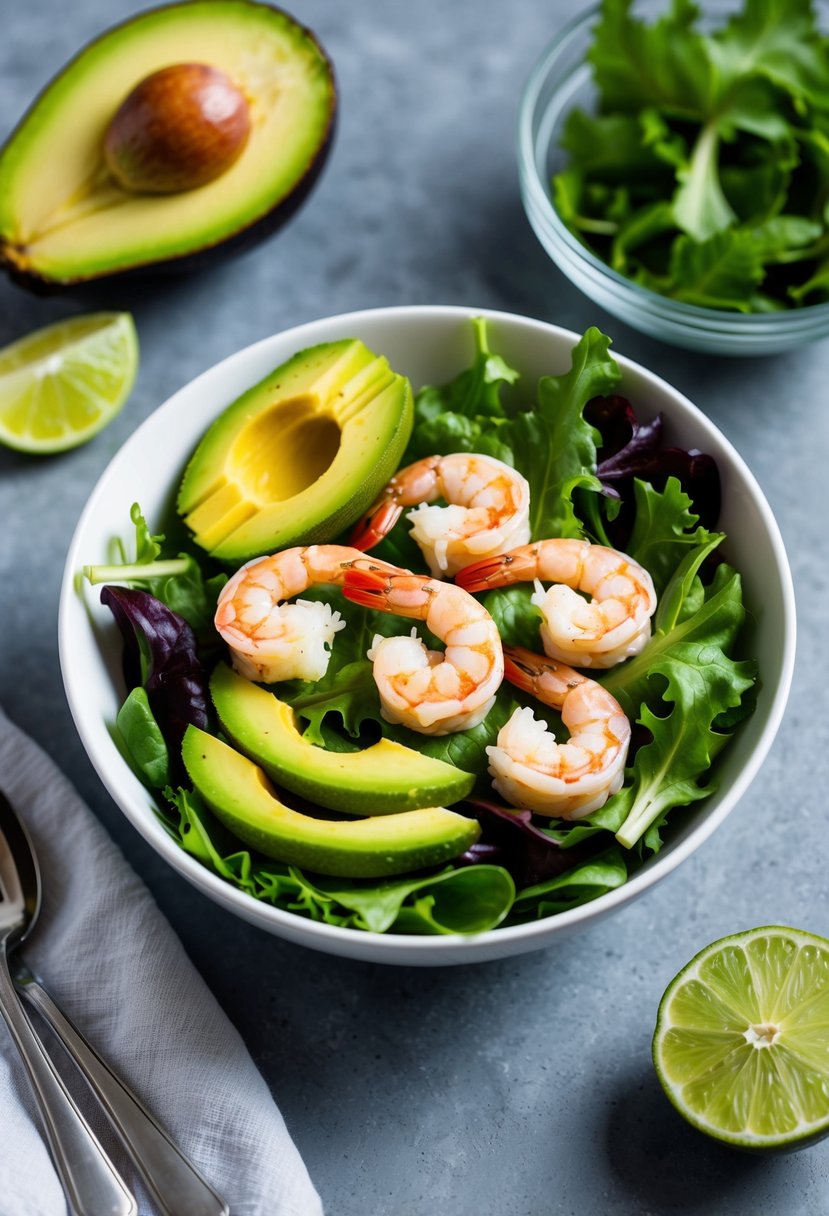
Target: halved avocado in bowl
<point>64,217</point>
<point>300,456</point>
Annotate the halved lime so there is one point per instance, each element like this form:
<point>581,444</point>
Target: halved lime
<point>61,385</point>
<point>742,1039</point>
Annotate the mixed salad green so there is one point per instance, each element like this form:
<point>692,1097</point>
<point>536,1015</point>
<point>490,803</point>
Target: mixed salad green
<point>594,471</point>
<point>704,172</point>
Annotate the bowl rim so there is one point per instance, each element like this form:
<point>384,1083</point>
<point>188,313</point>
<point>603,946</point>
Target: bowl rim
<point>797,321</point>
<point>419,949</point>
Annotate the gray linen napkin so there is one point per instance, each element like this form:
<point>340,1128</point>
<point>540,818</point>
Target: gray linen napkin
<point>112,961</point>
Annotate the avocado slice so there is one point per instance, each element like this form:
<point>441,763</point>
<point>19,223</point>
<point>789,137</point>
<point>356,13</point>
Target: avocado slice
<point>380,780</point>
<point>240,795</point>
<point>300,456</point>
<point>63,217</point>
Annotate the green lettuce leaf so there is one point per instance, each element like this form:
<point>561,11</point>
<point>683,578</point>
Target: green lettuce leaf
<point>472,899</point>
<point>467,899</point>
<point>603,873</point>
<point>179,582</point>
<point>465,414</point>
<point>721,272</point>
<point>666,64</point>
<point>664,528</point>
<point>736,116</point>
<point>683,687</point>
<point>610,146</point>
<point>554,446</point>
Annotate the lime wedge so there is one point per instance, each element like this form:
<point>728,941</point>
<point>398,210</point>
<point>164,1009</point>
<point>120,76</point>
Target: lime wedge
<point>61,385</point>
<point>742,1039</point>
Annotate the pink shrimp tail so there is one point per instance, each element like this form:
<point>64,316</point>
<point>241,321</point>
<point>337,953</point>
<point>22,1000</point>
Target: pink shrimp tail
<point>375,524</point>
<point>501,569</point>
<point>523,668</point>
<point>367,586</point>
<point>478,576</point>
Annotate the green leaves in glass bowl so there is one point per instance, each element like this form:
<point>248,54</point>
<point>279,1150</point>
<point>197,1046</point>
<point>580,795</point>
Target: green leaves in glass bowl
<point>704,173</point>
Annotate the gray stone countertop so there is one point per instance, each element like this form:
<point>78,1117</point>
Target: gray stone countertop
<point>516,1088</point>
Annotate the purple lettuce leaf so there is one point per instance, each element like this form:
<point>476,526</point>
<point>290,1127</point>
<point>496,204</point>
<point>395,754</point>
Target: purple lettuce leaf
<point>160,654</point>
<point>631,449</point>
<point>509,839</point>
<point>623,436</point>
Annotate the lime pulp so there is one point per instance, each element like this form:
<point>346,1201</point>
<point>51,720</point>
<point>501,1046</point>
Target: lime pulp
<point>62,384</point>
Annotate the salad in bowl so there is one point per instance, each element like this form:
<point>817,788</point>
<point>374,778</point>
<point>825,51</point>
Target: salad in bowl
<point>447,633</point>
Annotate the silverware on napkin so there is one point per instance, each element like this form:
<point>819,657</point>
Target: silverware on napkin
<point>92,1184</point>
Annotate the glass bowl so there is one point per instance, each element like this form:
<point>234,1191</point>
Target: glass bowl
<point>561,80</point>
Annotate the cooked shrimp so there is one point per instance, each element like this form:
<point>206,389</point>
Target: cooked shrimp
<point>430,692</point>
<point>600,632</point>
<point>488,511</point>
<point>562,780</point>
<point>270,640</point>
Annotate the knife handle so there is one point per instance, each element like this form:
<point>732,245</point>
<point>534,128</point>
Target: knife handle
<point>174,1182</point>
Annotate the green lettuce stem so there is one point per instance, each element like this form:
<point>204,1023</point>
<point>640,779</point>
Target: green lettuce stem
<point>136,573</point>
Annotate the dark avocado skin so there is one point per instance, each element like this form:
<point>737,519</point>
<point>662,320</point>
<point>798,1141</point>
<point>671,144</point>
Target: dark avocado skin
<point>198,259</point>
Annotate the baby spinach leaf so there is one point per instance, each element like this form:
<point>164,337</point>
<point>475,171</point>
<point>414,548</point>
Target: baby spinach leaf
<point>473,899</point>
<point>518,619</point>
<point>143,739</point>
<point>580,885</point>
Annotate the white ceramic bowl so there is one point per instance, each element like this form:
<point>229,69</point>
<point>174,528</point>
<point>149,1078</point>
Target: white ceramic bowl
<point>429,344</point>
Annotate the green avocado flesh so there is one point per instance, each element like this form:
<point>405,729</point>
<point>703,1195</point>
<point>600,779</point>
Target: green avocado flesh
<point>64,219</point>
<point>380,780</point>
<point>240,795</point>
<point>299,456</point>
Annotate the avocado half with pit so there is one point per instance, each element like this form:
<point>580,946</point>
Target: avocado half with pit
<point>64,217</point>
<point>240,795</point>
<point>300,456</point>
<point>379,780</point>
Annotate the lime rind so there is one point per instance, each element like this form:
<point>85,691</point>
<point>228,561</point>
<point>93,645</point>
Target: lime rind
<point>741,1045</point>
<point>63,384</point>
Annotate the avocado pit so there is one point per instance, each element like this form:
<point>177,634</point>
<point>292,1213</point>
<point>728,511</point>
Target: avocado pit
<point>180,128</point>
<point>186,132</point>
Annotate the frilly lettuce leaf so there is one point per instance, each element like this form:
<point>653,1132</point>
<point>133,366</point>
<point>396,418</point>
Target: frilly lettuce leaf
<point>665,528</point>
<point>732,118</point>
<point>554,445</point>
<point>683,688</point>
<point>467,899</point>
